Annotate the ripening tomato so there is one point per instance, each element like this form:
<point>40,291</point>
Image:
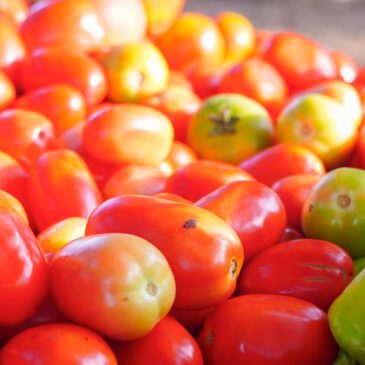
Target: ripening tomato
<point>258,80</point>
<point>204,253</point>
<point>168,343</point>
<point>293,190</point>
<point>25,135</point>
<point>62,104</point>
<point>117,284</point>
<point>238,33</point>
<point>7,91</point>
<point>179,105</point>
<point>193,38</point>
<point>63,23</point>
<point>252,209</point>
<point>61,186</point>
<point>146,133</point>
<point>9,201</point>
<point>16,10</point>
<point>287,159</point>
<point>301,61</point>
<point>347,68</point>
<point>267,330</point>
<point>313,270</point>
<point>200,178</point>
<point>49,66</point>
<point>23,269</point>
<point>58,343</point>
<point>58,235</point>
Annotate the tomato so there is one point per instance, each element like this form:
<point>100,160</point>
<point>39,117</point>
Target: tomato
<point>63,23</point>
<point>193,38</point>
<point>117,284</point>
<point>134,179</point>
<point>49,66</point>
<point>347,68</point>
<point>123,21</point>
<point>241,331</point>
<point>135,71</point>
<point>293,190</point>
<point>321,124</point>
<point>17,10</point>
<point>286,159</point>
<point>179,105</point>
<point>167,343</point>
<point>313,270</point>
<point>334,210</point>
<point>253,210</point>
<point>301,61</point>
<point>63,105</point>
<point>61,186</point>
<point>204,253</point>
<point>9,201</point>
<point>230,128</point>
<point>162,14</point>
<point>361,146</point>
<point>179,79</point>
<point>263,37</point>
<point>7,91</point>
<point>258,80</point>
<point>58,235</point>
<point>202,177</point>
<point>25,135</point>
<point>46,344</point>
<point>23,268</point>
<point>238,33</point>
<point>142,144</point>
<point>290,234</point>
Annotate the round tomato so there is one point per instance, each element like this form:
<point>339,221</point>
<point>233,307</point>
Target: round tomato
<point>7,91</point>
<point>118,284</point>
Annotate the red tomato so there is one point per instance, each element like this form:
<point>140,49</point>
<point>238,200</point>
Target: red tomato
<point>280,161</point>
<point>301,61</point>
<point>258,80</point>
<point>290,234</point>
<point>61,186</point>
<point>7,91</point>
<point>313,270</point>
<point>347,68</point>
<point>168,343</point>
<point>267,330</point>
<point>63,23</point>
<point>204,253</point>
<point>118,284</point>
<point>200,178</point>
<point>293,190</point>
<point>49,66</point>
<point>63,105</point>
<point>16,10</point>
<point>25,135</point>
<point>59,344</point>
<point>252,209</point>
<point>23,269</point>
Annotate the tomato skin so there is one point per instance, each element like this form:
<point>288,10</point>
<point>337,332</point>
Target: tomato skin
<point>142,145</point>
<point>63,23</point>
<point>61,186</point>
<point>252,209</point>
<point>62,104</point>
<point>172,197</point>
<point>123,294</point>
<point>7,91</point>
<point>290,234</point>
<point>202,177</point>
<point>240,331</point>
<point>16,9</point>
<point>287,159</point>
<point>293,190</point>
<point>9,201</point>
<point>347,68</point>
<point>301,61</point>
<point>168,343</point>
<point>24,271</point>
<point>46,344</point>
<point>49,66</point>
<point>205,274</point>
<point>313,270</point>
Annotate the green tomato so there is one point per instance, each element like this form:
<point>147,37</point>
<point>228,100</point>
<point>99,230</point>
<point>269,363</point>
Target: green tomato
<point>344,359</point>
<point>359,265</point>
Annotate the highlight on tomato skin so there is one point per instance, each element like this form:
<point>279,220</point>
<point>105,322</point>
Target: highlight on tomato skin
<point>7,91</point>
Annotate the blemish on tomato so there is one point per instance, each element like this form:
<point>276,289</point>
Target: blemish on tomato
<point>190,223</point>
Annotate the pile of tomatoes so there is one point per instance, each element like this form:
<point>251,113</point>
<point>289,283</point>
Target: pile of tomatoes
<point>177,189</point>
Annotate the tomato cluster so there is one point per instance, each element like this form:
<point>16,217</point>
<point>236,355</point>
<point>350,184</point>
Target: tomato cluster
<point>177,189</point>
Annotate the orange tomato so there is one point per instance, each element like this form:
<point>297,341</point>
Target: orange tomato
<point>135,71</point>
<point>16,10</point>
<point>49,66</point>
<point>193,38</point>
<point>63,23</point>
<point>239,34</point>
<point>8,200</point>
<point>62,104</point>
<point>147,135</point>
<point>7,91</point>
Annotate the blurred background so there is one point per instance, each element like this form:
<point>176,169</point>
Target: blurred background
<point>337,24</point>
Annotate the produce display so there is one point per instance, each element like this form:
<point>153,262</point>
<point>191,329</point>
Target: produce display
<point>177,189</point>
